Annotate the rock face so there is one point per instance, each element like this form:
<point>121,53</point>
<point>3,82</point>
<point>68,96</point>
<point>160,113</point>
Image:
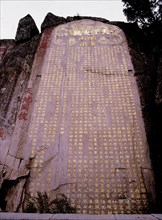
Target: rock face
<point>20,80</point>
<point>26,29</point>
<point>146,58</point>
<point>14,75</point>
<point>52,20</point>
<point>159,81</point>
<point>5,47</point>
<point>87,123</point>
<point>16,64</point>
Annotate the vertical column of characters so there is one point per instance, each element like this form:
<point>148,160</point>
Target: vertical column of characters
<point>118,183</point>
<point>48,133</point>
<point>108,165</point>
<point>36,133</point>
<point>99,139</point>
<point>87,176</point>
<point>108,132</point>
<point>72,153</point>
<point>89,160</point>
<point>139,199</point>
<point>45,42</point>
<point>26,102</point>
<point>38,119</point>
<point>82,128</point>
<point>52,128</point>
<point>122,64</point>
<point>1,133</point>
<point>38,128</point>
<point>124,121</point>
<point>112,160</point>
<point>56,84</point>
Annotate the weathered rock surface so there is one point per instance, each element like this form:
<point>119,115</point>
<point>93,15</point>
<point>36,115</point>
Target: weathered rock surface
<point>26,29</point>
<point>52,20</point>
<point>14,74</point>
<point>15,70</point>
<point>146,58</point>
<point>159,81</point>
<point>59,146</point>
<point>5,47</point>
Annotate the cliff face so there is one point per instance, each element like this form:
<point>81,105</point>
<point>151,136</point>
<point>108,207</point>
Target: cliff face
<point>15,69</point>
<point>16,64</point>
<point>146,52</point>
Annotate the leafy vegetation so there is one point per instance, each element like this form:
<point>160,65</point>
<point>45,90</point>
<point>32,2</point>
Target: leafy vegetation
<point>42,204</point>
<point>144,12</point>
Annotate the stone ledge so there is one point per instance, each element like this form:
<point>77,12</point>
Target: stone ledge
<point>31,216</point>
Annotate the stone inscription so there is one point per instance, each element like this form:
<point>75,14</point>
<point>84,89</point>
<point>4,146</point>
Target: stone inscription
<point>86,134</point>
<point>1,133</point>
<point>25,104</point>
<point>44,43</point>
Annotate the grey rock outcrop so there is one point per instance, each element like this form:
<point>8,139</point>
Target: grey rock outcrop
<point>15,69</point>
<point>26,29</point>
<point>52,20</point>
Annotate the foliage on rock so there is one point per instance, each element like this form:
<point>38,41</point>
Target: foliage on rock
<point>42,204</point>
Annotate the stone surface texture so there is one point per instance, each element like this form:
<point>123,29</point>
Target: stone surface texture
<point>87,123</point>
<point>22,216</point>
<point>26,29</point>
<point>5,47</point>
<point>52,21</point>
<point>44,138</point>
<point>16,64</point>
<point>146,58</point>
<point>159,82</point>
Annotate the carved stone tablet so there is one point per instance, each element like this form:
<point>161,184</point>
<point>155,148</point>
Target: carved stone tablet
<point>86,133</point>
